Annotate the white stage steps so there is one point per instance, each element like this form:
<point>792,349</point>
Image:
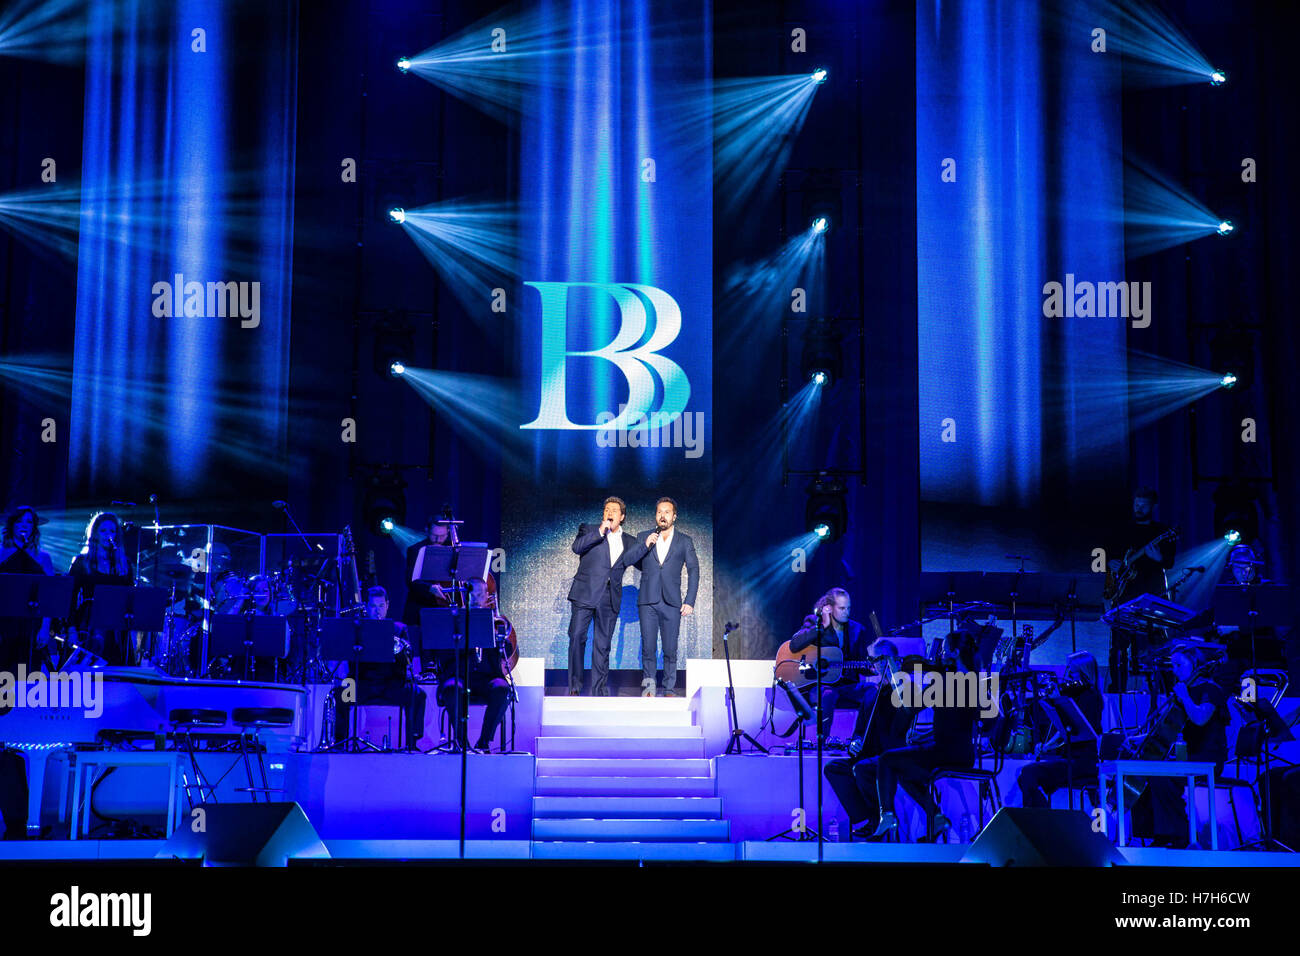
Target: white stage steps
<point>625,778</point>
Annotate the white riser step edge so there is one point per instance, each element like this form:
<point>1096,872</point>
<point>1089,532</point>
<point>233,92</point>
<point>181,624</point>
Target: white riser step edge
<point>620,730</point>
<point>635,718</point>
<point>628,831</point>
<point>623,767</point>
<point>646,747</point>
<point>640,808</point>
<point>698,852</point>
<point>589,704</point>
<point>625,787</point>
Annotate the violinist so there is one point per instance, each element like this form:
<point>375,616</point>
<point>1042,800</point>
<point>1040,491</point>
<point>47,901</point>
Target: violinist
<point>486,680</point>
<point>886,723</point>
<point>1160,813</point>
<point>1076,761</point>
<point>386,683</point>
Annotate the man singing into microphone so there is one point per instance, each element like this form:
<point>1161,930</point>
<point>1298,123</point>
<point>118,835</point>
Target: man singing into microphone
<point>660,600</point>
<point>605,552</point>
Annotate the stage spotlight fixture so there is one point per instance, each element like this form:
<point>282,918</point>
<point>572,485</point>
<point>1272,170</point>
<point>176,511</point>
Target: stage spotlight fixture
<point>385,500</point>
<point>1226,227</point>
<point>822,358</point>
<point>1232,353</point>
<point>404,63</point>
<point>826,515</point>
<point>819,75</point>
<point>397,214</point>
<point>1218,78</point>
<point>821,199</point>
<point>1236,513</point>
<point>394,343</point>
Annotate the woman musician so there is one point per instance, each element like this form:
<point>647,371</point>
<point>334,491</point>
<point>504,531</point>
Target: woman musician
<point>102,560</point>
<point>20,553</point>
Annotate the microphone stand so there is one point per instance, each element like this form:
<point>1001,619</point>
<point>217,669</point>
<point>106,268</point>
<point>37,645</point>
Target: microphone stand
<point>737,734</point>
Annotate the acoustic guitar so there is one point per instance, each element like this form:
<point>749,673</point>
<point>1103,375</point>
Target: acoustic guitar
<point>800,667</point>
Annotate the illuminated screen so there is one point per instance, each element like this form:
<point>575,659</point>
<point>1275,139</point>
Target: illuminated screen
<point>615,349</point>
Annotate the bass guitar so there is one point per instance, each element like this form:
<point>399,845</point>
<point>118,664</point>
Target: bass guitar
<point>1118,579</point>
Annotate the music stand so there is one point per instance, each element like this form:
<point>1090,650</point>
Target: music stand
<point>358,641</point>
<point>1069,722</point>
<point>121,607</point>
<point>1248,607</point>
<point>252,635</point>
<point>458,629</point>
<point>34,597</point>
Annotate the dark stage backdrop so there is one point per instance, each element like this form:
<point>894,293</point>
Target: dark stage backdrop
<point>614,348</point>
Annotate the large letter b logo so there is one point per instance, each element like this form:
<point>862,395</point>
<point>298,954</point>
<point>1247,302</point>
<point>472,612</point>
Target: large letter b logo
<point>634,363</point>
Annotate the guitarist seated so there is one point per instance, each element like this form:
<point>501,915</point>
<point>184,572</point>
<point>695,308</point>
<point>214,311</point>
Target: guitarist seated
<point>1148,550</point>
<point>829,626</point>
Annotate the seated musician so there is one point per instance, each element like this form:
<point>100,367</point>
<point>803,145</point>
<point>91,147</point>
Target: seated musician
<point>21,639</point>
<point>385,683</point>
<point>1264,648</point>
<point>951,742</point>
<point>1160,813</point>
<point>256,601</point>
<point>486,680</point>
<point>102,560</point>
<point>1078,762</point>
<point>830,626</point>
<point>853,778</point>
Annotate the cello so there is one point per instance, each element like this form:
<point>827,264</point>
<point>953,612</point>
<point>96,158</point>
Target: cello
<point>1166,724</point>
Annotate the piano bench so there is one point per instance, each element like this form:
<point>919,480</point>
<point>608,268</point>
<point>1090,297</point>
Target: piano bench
<point>193,717</point>
<point>256,717</point>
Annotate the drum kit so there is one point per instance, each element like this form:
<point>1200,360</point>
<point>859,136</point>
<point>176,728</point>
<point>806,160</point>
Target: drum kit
<point>179,649</point>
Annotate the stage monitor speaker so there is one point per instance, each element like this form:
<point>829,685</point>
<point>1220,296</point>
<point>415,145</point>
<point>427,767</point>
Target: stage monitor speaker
<point>13,794</point>
<point>246,834</point>
<point>1018,836</point>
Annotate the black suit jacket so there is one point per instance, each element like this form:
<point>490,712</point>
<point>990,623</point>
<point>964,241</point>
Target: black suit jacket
<point>856,639</point>
<point>663,583</point>
<point>595,573</point>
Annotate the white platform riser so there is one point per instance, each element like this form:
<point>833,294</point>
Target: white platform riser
<point>640,808</point>
<point>623,767</point>
<point>608,718</point>
<point>702,852</point>
<point>621,730</point>
<point>659,831</point>
<point>644,747</point>
<point>602,704</point>
<point>625,786</point>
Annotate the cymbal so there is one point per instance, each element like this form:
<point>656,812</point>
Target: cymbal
<point>174,571</point>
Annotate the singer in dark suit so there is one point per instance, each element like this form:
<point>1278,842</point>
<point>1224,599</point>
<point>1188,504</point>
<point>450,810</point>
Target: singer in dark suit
<point>660,601</point>
<point>605,551</point>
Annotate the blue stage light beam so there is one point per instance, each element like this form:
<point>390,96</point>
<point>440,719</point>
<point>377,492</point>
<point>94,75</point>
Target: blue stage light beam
<point>754,121</point>
<point>145,404</point>
<point>1156,51</point>
<point>50,30</point>
<point>403,537</point>
<point>471,244</point>
<point>757,294</point>
<point>761,464</point>
<point>498,62</point>
<point>1159,214</point>
<point>1197,591</point>
<point>1142,390</point>
<point>483,409</point>
<point>773,570</point>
